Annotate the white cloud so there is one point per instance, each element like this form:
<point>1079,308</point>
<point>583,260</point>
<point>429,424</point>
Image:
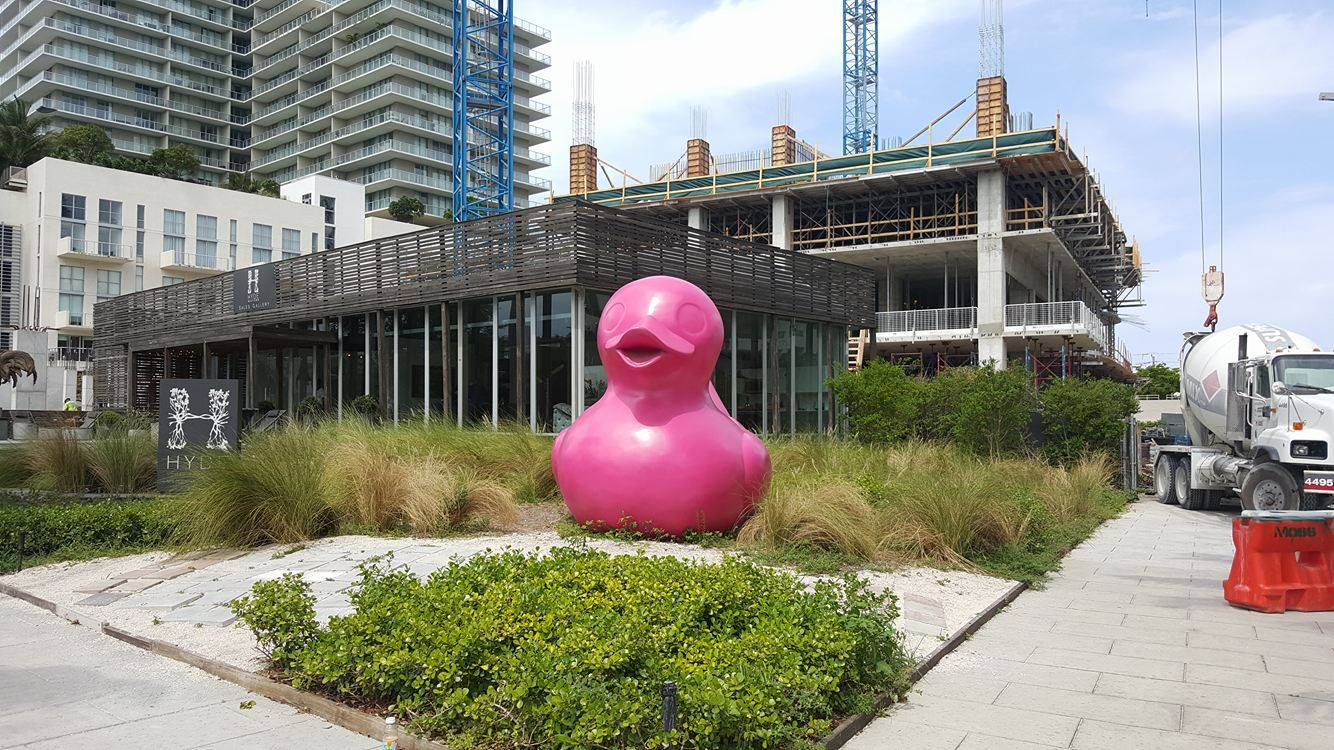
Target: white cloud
<point>1279,267</point>
<point>652,65</point>
<point>1270,62</point>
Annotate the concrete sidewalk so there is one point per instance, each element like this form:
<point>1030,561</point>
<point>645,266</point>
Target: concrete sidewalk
<point>68,686</point>
<point>1130,646</point>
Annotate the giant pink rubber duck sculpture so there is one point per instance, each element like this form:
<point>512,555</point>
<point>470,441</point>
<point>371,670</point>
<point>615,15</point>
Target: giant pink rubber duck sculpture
<point>658,451</point>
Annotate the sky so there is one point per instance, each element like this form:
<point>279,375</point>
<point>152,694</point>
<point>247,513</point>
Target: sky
<point>1120,73</point>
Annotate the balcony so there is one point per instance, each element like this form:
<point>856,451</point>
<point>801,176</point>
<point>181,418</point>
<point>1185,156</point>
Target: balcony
<point>192,263</point>
<point>936,324</point>
<point>77,323</point>
<point>91,250</point>
<point>70,354</point>
<point>1072,319</point>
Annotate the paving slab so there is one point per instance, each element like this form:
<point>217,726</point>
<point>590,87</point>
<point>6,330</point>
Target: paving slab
<point>72,687</point>
<point>1133,642</point>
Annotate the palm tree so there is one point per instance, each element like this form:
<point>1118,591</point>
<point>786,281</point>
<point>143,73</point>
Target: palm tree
<point>22,140</point>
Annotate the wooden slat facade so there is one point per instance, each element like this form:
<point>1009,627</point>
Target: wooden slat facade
<point>570,244</point>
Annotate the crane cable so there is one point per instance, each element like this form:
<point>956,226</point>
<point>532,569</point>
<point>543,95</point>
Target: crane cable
<point>1199,133</point>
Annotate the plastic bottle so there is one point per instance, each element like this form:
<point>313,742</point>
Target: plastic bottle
<point>390,734</point>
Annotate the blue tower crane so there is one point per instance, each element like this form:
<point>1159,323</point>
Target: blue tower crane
<point>861,69</point>
<point>483,108</point>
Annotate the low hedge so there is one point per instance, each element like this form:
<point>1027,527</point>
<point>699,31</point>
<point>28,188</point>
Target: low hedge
<point>571,650</point>
<point>72,530</point>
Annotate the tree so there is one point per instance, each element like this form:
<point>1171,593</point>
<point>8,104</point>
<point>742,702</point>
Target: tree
<point>1081,417</point>
<point>89,144</point>
<point>1157,380</point>
<point>247,183</point>
<point>882,401</point>
<point>406,208</point>
<point>22,141</point>
<point>177,162</point>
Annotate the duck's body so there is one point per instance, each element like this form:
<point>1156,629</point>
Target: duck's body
<point>656,452</point>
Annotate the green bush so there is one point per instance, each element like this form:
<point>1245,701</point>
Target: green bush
<point>881,399</point>
<point>310,409</point>
<point>365,406</point>
<point>273,490</point>
<point>991,415</point>
<point>1158,380</point>
<point>56,464</point>
<point>67,530</point>
<point>122,463</point>
<point>1081,417</point>
<point>570,650</point>
<point>981,409</point>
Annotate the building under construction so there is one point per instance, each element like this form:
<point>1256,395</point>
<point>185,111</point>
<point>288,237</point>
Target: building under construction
<point>995,247</point>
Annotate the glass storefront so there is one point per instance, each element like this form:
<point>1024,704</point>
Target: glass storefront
<point>476,361</point>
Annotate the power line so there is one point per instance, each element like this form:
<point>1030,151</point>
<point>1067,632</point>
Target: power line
<point>1199,133</point>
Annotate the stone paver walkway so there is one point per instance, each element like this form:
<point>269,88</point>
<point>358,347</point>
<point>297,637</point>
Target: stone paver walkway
<point>70,687</point>
<point>1130,646</point>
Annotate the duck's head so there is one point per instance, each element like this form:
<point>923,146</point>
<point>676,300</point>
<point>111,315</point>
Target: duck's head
<point>660,332</point>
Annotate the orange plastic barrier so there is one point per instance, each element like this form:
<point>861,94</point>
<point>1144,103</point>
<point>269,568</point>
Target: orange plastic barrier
<point>1282,561</point>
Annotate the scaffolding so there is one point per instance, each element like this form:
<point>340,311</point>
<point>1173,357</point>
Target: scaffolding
<point>483,108</point>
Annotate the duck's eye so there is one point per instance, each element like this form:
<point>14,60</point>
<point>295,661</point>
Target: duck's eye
<point>611,317</point>
<point>690,318</point>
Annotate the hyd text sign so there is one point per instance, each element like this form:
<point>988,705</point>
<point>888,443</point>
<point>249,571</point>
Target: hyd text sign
<point>195,418</point>
<point>254,288</point>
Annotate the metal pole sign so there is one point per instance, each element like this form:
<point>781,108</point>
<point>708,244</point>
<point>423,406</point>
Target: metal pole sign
<point>195,418</point>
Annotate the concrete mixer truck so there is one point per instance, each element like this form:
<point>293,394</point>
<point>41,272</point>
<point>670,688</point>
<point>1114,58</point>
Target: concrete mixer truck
<point>1258,403</point>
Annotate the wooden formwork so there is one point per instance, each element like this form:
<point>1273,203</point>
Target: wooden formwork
<point>993,108</point>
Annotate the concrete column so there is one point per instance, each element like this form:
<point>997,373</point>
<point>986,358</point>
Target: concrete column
<point>698,218</point>
<point>891,289</point>
<point>991,281</point>
<point>784,216</point>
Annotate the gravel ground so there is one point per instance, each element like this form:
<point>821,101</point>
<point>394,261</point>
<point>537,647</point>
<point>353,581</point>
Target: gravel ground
<point>935,603</point>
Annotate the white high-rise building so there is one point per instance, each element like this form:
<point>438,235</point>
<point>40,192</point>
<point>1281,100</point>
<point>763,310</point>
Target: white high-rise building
<point>79,234</point>
<point>359,90</point>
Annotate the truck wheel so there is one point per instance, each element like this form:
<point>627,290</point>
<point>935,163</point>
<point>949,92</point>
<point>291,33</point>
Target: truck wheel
<point>1163,471</point>
<point>1188,498</point>
<point>1269,487</point>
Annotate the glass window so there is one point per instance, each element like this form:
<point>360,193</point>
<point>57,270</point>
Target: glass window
<point>750,369</point>
<point>139,233</point>
<point>353,332</point>
<point>139,279</point>
<point>722,372</point>
<point>291,243</point>
<point>410,364</point>
<point>261,243</point>
<point>327,203</point>
<point>72,304</point>
<point>476,375</point>
<point>72,207</point>
<point>806,358</point>
<point>1306,373</point>
<point>780,376</point>
<point>108,212</point>
<point>595,375</point>
<point>439,359</point>
<point>206,241</point>
<point>231,253</point>
<point>509,370</point>
<point>171,280</point>
<point>108,241</point>
<point>108,284</point>
<point>554,326</point>
<point>173,236</point>
<point>71,278</point>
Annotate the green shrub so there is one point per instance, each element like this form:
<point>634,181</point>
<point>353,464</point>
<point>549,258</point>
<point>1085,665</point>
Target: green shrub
<point>991,415</point>
<point>931,502</point>
<point>14,471</point>
<point>570,650</point>
<point>273,490</point>
<point>881,400</point>
<point>1083,417</point>
<point>1158,380</point>
<point>281,614</point>
<point>310,409</point>
<point>122,462</point>
<point>68,530</point>
<point>56,464</point>
<point>108,422</point>
<point>365,406</point>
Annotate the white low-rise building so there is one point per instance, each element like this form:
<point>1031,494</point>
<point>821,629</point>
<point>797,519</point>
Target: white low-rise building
<point>73,234</point>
